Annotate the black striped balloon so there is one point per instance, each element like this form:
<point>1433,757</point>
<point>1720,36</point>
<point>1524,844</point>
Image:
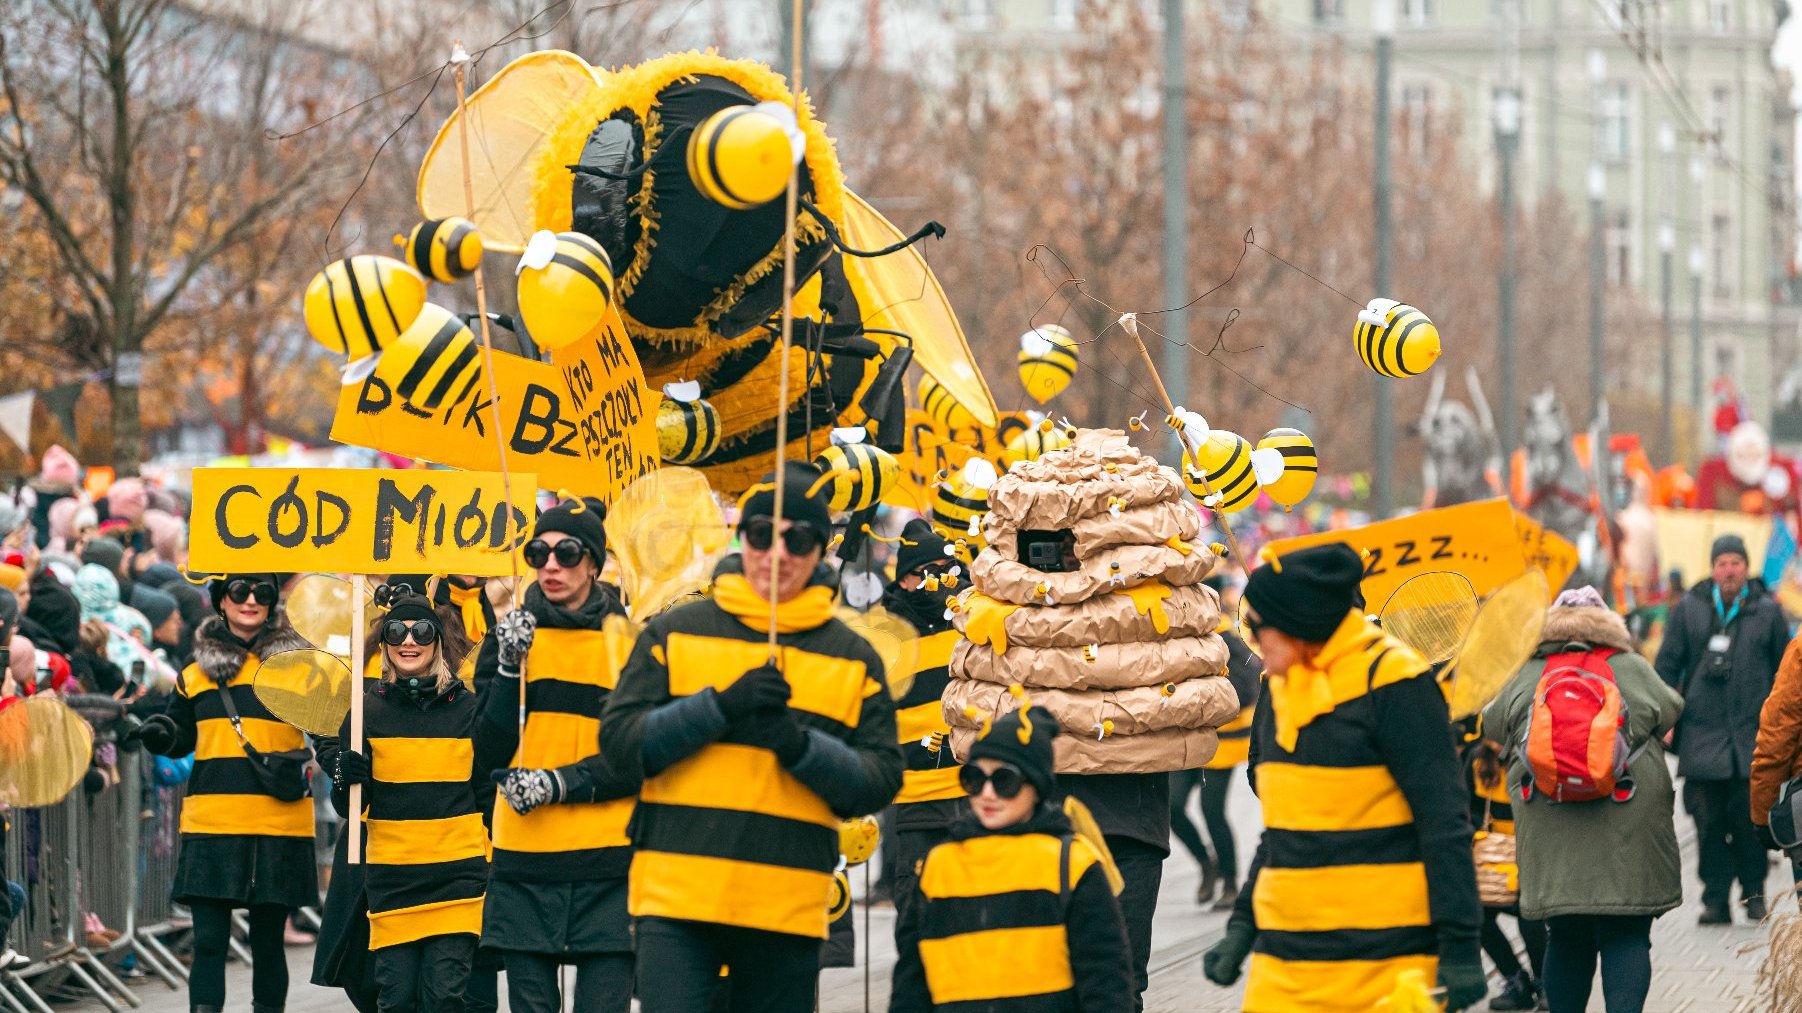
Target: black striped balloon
<point>941,407</point>
<point>1407,344</point>
<point>687,431</point>
<point>859,473</point>
<point>1225,460</point>
<point>434,362</point>
<point>954,502</point>
<point>361,304</point>
<point>1301,465</point>
<point>444,249</point>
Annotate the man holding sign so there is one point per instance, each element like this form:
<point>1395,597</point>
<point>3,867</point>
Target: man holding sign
<point>558,893</point>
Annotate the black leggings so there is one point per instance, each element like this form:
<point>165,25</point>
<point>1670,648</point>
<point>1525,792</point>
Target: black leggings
<point>1501,950</point>
<point>1214,784</point>
<point>212,938</point>
<point>1624,944</point>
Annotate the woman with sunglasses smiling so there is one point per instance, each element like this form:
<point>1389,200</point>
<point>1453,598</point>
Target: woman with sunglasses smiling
<point>426,849</point>
<point>557,894</point>
<point>241,847</point>
<point>1014,912</point>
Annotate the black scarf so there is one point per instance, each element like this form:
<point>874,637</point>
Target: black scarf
<point>603,601</point>
<point>924,609</point>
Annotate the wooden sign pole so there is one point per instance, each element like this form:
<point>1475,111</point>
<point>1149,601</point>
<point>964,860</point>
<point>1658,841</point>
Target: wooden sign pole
<point>358,624</point>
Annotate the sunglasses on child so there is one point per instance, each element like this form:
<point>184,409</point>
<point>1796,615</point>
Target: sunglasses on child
<point>567,552</point>
<point>241,591</point>
<point>423,631</point>
<point>1006,780</point>
<point>799,539</point>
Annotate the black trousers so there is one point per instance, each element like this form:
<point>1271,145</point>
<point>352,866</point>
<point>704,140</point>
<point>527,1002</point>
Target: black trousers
<point>1623,943</point>
<point>910,848</point>
<point>603,982</point>
<point>1727,844</point>
<point>1142,868</point>
<point>425,976</point>
<point>1501,950</point>
<point>679,966</point>
<point>483,993</point>
<point>212,937</point>
<point>1215,785</point>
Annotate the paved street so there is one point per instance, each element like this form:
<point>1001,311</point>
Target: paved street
<point>1696,970</point>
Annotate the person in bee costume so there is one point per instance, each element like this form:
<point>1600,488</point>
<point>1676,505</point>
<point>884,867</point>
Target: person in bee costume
<point>426,848</point>
<point>1365,867</point>
<point>246,825</point>
<point>931,798</point>
<point>749,764</point>
<point>1014,911</point>
<point>557,894</point>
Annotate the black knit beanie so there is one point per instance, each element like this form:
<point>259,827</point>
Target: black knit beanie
<point>797,505</point>
<point>1022,738</point>
<point>926,547</point>
<point>1307,593</point>
<point>411,608</point>
<point>584,521</point>
<point>1726,544</point>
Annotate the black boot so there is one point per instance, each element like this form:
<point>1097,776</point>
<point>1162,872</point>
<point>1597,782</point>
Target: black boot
<point>257,1007</point>
<point>1210,879</point>
<point>1229,895</point>
<point>1518,993</point>
<point>204,1009</point>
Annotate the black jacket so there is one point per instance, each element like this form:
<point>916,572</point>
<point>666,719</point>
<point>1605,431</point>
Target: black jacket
<point>1722,693</point>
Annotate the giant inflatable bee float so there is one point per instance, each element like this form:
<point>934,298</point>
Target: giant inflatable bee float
<point>663,166</point>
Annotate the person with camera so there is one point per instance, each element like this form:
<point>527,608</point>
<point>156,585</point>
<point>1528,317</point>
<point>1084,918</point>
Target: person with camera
<point>1722,646</point>
<point>247,824</point>
<point>557,894</point>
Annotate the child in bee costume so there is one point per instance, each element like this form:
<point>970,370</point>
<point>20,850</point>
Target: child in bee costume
<point>425,846</point>
<point>1365,867</point>
<point>1015,911</point>
<point>749,766</point>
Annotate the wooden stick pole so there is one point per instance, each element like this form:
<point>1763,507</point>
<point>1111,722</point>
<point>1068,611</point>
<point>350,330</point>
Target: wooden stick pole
<point>358,588</point>
<point>1130,324</point>
<point>788,316</point>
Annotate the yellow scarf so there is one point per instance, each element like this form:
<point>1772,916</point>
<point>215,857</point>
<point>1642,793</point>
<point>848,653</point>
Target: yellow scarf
<point>1340,672</point>
<point>805,611</point>
<point>469,600</point>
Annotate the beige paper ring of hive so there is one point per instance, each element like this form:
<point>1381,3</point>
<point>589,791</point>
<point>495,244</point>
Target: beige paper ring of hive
<point>1501,639</point>
<point>44,752</point>
<point>1089,595</point>
<point>1431,613</point>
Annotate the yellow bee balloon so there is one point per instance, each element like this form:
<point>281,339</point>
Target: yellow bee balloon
<point>443,249</point>
<point>856,474</point>
<point>1301,465</point>
<point>941,407</point>
<point>360,304</point>
<point>568,295</point>
<point>1034,443</point>
<point>1225,460</point>
<point>687,431</point>
<point>435,359</point>
<point>1396,340</point>
<point>740,157</point>
<point>857,839</point>
<point>1047,361</point>
<point>955,502</point>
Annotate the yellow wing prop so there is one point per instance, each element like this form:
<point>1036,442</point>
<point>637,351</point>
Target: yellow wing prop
<point>319,608</point>
<point>511,116</point>
<point>1501,639</point>
<point>309,689</point>
<point>894,639</point>
<point>1083,823</point>
<point>667,531</point>
<point>1431,613</point>
<point>899,292</point>
<point>46,751</point>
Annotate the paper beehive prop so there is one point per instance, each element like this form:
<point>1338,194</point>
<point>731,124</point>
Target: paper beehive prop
<point>1116,637</point>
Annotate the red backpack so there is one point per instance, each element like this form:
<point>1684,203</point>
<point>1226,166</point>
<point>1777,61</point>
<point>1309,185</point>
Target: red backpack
<point>1576,738</point>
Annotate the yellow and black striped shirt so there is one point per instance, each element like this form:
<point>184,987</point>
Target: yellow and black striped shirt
<point>224,794</point>
<point>931,774</point>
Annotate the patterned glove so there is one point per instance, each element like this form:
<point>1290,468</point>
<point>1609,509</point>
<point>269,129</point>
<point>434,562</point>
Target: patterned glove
<point>526,790</point>
<point>513,636</point>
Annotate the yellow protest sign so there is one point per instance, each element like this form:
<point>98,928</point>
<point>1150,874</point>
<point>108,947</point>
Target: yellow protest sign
<point>1547,550</point>
<point>1478,540</point>
<point>353,520</point>
<point>931,447</point>
<point>584,422</point>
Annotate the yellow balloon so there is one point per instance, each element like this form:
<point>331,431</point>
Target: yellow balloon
<point>1047,361</point>
<point>1225,460</point>
<point>1032,444</point>
<point>857,474</point>
<point>857,839</point>
<point>955,503</point>
<point>1407,343</point>
<point>687,431</point>
<point>942,407</point>
<point>443,249</point>
<point>435,362</point>
<point>1301,465</point>
<point>565,299</point>
<point>360,304</point>
<point>740,158</point>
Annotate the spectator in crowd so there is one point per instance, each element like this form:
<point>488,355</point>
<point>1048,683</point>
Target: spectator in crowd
<point>1777,755</point>
<point>168,631</point>
<point>1722,646</point>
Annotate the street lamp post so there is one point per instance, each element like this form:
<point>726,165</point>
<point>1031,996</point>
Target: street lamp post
<point>1598,182</point>
<point>1667,245</point>
<point>1383,439</point>
<point>1507,143</point>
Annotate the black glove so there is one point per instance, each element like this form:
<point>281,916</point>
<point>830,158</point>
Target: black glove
<point>781,734</point>
<point>156,733</point>
<point>1464,983</point>
<point>761,690</point>
<point>352,768</point>
<point>526,790</point>
<point>1768,839</point>
<point>1222,963</point>
<point>513,638</point>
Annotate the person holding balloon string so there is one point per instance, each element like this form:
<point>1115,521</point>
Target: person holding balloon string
<point>426,848</point>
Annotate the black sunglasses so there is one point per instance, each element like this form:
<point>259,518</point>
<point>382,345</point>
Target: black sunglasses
<point>1006,779</point>
<point>396,631</point>
<point>800,539</point>
<point>240,591</point>
<point>567,552</point>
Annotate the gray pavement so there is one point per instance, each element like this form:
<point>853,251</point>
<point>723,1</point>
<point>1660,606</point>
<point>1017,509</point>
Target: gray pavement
<point>1695,970</point>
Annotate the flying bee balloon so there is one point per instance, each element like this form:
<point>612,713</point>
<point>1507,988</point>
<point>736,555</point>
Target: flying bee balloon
<point>435,359</point>
<point>1225,461</point>
<point>688,428</point>
<point>443,249</point>
<point>856,474</point>
<point>565,287</point>
<point>1047,361</point>
<point>941,407</point>
<point>1396,340</point>
<point>742,156</point>
<point>1034,443</point>
<point>360,304</point>
<point>957,504</point>
<point>1301,465</point>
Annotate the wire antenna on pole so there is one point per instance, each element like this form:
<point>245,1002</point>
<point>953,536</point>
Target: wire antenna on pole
<point>788,311</point>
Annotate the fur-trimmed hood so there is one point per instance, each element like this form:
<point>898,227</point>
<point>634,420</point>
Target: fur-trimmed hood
<point>221,656</point>
<point>1597,627</point>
